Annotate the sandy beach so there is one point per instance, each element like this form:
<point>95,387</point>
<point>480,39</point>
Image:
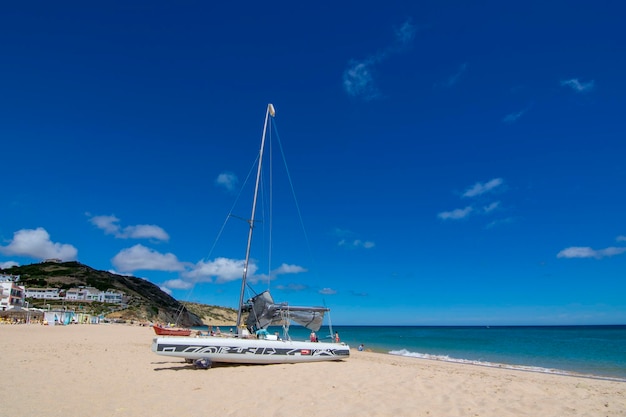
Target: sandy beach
<point>109,370</point>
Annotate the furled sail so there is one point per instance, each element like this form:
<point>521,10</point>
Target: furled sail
<point>264,312</point>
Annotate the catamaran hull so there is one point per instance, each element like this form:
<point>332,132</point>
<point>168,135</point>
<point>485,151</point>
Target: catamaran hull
<point>253,351</point>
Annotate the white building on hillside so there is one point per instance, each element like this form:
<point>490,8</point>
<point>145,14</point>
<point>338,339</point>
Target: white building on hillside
<point>11,294</point>
<point>94,294</point>
<point>44,293</point>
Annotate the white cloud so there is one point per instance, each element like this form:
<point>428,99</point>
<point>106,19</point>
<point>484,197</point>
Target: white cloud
<point>8,264</point>
<point>221,270</point>
<point>141,231</point>
<point>358,78</point>
<point>145,231</point>
<point>142,258</point>
<point>480,188</point>
<point>455,214</point>
<point>106,223</point>
<point>126,274</point>
<point>227,180</point>
<point>177,284</point>
<point>577,86</point>
<point>621,238</point>
<point>35,243</point>
<point>475,190</point>
<point>288,269</point>
<point>357,243</point>
<point>327,291</point>
<point>587,252</point>
<point>349,240</point>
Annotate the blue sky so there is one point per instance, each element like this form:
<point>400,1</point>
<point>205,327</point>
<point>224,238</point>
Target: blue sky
<point>453,163</point>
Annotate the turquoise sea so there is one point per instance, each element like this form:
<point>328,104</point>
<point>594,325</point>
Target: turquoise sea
<point>595,351</point>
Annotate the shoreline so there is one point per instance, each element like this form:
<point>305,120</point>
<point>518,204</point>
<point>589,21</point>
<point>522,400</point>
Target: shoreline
<point>497,365</point>
<point>590,351</point>
<point>110,370</point>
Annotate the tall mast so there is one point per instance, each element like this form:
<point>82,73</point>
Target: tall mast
<point>270,112</point>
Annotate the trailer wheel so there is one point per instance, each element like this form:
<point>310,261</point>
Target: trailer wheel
<point>204,363</point>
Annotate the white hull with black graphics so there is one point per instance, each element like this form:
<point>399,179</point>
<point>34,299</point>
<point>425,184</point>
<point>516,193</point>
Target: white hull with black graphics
<point>251,351</point>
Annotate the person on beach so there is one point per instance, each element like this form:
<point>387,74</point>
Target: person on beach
<point>336,337</point>
<point>361,347</point>
<point>313,337</point>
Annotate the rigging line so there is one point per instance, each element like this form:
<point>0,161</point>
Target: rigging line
<point>230,213</point>
<point>219,234</point>
<point>330,322</point>
<point>293,191</point>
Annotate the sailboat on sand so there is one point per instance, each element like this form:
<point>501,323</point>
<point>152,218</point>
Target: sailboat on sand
<point>171,330</point>
<point>252,343</point>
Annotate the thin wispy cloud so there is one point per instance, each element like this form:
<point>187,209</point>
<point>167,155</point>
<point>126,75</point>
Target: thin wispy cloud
<point>36,244</point>
<point>455,78</point>
<point>455,214</point>
<point>405,33</point>
<point>621,238</point>
<point>578,86</point>
<point>587,252</point>
<point>482,188</point>
<point>227,180</point>
<point>349,239</point>
<point>358,78</point>
<point>292,287</point>
<point>476,190</point>
<point>327,291</point>
<point>499,222</point>
<point>491,207</point>
<point>111,226</point>
<point>356,243</point>
<point>513,117</point>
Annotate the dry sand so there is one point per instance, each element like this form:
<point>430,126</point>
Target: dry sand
<point>109,370</point>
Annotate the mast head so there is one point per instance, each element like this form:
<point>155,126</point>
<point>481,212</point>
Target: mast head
<point>270,109</point>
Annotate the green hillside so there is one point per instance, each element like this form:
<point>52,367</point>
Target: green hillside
<point>146,301</point>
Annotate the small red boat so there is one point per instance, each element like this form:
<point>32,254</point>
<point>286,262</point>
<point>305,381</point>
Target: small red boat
<point>170,331</point>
